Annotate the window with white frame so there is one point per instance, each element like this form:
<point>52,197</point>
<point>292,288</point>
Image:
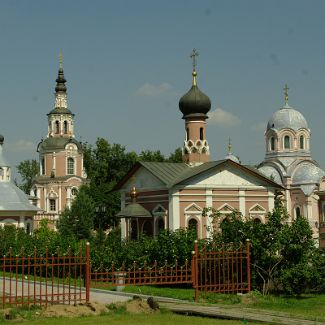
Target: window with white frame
<point>70,166</point>
<point>52,203</point>
<point>286,141</point>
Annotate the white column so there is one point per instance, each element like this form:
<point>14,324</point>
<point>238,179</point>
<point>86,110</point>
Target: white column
<point>174,222</point>
<point>242,202</point>
<point>271,200</point>
<point>21,222</point>
<point>123,221</point>
<point>60,198</point>
<point>45,200</point>
<point>54,161</point>
<point>208,204</point>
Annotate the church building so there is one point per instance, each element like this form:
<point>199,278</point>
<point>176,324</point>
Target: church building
<point>15,206</point>
<point>157,196</point>
<point>60,158</point>
<point>288,162</point>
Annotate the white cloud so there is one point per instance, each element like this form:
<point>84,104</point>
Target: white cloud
<point>259,127</point>
<point>21,146</point>
<point>221,117</point>
<point>150,90</point>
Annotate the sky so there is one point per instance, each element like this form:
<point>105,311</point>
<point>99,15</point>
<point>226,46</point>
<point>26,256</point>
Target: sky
<point>127,63</point>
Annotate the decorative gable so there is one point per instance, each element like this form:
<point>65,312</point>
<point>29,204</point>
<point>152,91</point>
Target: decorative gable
<point>226,208</point>
<point>159,210</point>
<point>257,209</point>
<point>193,209</point>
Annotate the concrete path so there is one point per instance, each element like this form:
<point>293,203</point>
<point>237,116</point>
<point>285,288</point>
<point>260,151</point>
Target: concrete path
<point>225,312</point>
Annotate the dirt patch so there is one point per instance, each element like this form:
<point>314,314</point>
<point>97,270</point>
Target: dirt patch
<point>138,307</point>
<point>74,311</point>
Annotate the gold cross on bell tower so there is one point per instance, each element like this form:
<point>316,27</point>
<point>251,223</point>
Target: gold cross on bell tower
<point>193,56</point>
<point>286,95</point>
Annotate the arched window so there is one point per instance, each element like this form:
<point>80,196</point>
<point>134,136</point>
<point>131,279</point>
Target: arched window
<point>187,133</point>
<point>28,229</point>
<point>52,203</point>
<point>134,230</point>
<point>298,212</point>
<point>160,225</point>
<point>272,144</point>
<point>192,224</point>
<point>65,127</point>
<point>302,142</point>
<point>74,191</point>
<point>57,127</point>
<point>286,142</point>
<point>201,133</point>
<point>147,228</point>
<point>70,168</point>
<point>257,220</point>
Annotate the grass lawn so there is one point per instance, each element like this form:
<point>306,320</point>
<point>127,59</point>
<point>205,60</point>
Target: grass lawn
<point>133,319</point>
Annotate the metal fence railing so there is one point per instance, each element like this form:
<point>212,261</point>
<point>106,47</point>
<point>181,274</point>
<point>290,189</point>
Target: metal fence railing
<point>44,279</point>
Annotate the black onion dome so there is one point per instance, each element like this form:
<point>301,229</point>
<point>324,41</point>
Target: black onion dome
<point>60,82</point>
<point>194,102</point>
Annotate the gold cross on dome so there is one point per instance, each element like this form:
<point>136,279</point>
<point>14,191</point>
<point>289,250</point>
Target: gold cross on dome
<point>193,56</point>
<point>229,145</point>
<point>286,95</point>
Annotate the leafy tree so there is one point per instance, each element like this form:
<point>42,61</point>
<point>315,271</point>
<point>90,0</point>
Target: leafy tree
<point>78,220</point>
<point>27,169</point>
<point>148,155</point>
<point>176,156</point>
<point>282,255</point>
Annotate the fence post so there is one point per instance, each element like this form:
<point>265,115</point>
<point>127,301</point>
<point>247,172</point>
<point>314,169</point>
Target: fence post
<point>248,245</point>
<point>87,271</point>
<point>194,270</point>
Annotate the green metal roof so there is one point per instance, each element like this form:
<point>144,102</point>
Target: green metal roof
<point>134,210</point>
<point>172,174</point>
<point>166,172</point>
<point>60,110</point>
<point>56,143</point>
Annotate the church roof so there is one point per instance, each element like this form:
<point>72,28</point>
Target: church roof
<point>13,198</point>
<point>287,118</point>
<point>56,143</point>
<point>172,174</point>
<point>60,110</point>
<point>134,210</point>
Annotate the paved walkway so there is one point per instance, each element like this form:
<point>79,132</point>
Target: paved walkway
<point>215,311</point>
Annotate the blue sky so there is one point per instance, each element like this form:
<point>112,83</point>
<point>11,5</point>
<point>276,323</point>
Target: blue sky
<point>127,64</point>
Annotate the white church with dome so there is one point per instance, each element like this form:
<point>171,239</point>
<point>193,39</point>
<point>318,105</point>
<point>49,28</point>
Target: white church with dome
<point>288,162</point>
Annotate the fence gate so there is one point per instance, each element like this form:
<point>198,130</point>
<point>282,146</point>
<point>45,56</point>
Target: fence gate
<point>44,279</point>
<point>225,269</point>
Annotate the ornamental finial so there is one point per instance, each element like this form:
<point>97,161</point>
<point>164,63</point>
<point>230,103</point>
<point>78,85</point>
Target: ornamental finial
<point>193,56</point>
<point>61,60</point>
<point>286,95</point>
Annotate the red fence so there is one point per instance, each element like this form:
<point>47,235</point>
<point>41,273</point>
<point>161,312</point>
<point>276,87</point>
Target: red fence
<point>222,270</point>
<point>145,275</point>
<point>60,278</point>
<point>44,279</point>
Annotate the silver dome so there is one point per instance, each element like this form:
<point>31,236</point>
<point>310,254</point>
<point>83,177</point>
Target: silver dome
<point>271,173</point>
<point>307,173</point>
<point>287,117</point>
<point>232,157</point>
